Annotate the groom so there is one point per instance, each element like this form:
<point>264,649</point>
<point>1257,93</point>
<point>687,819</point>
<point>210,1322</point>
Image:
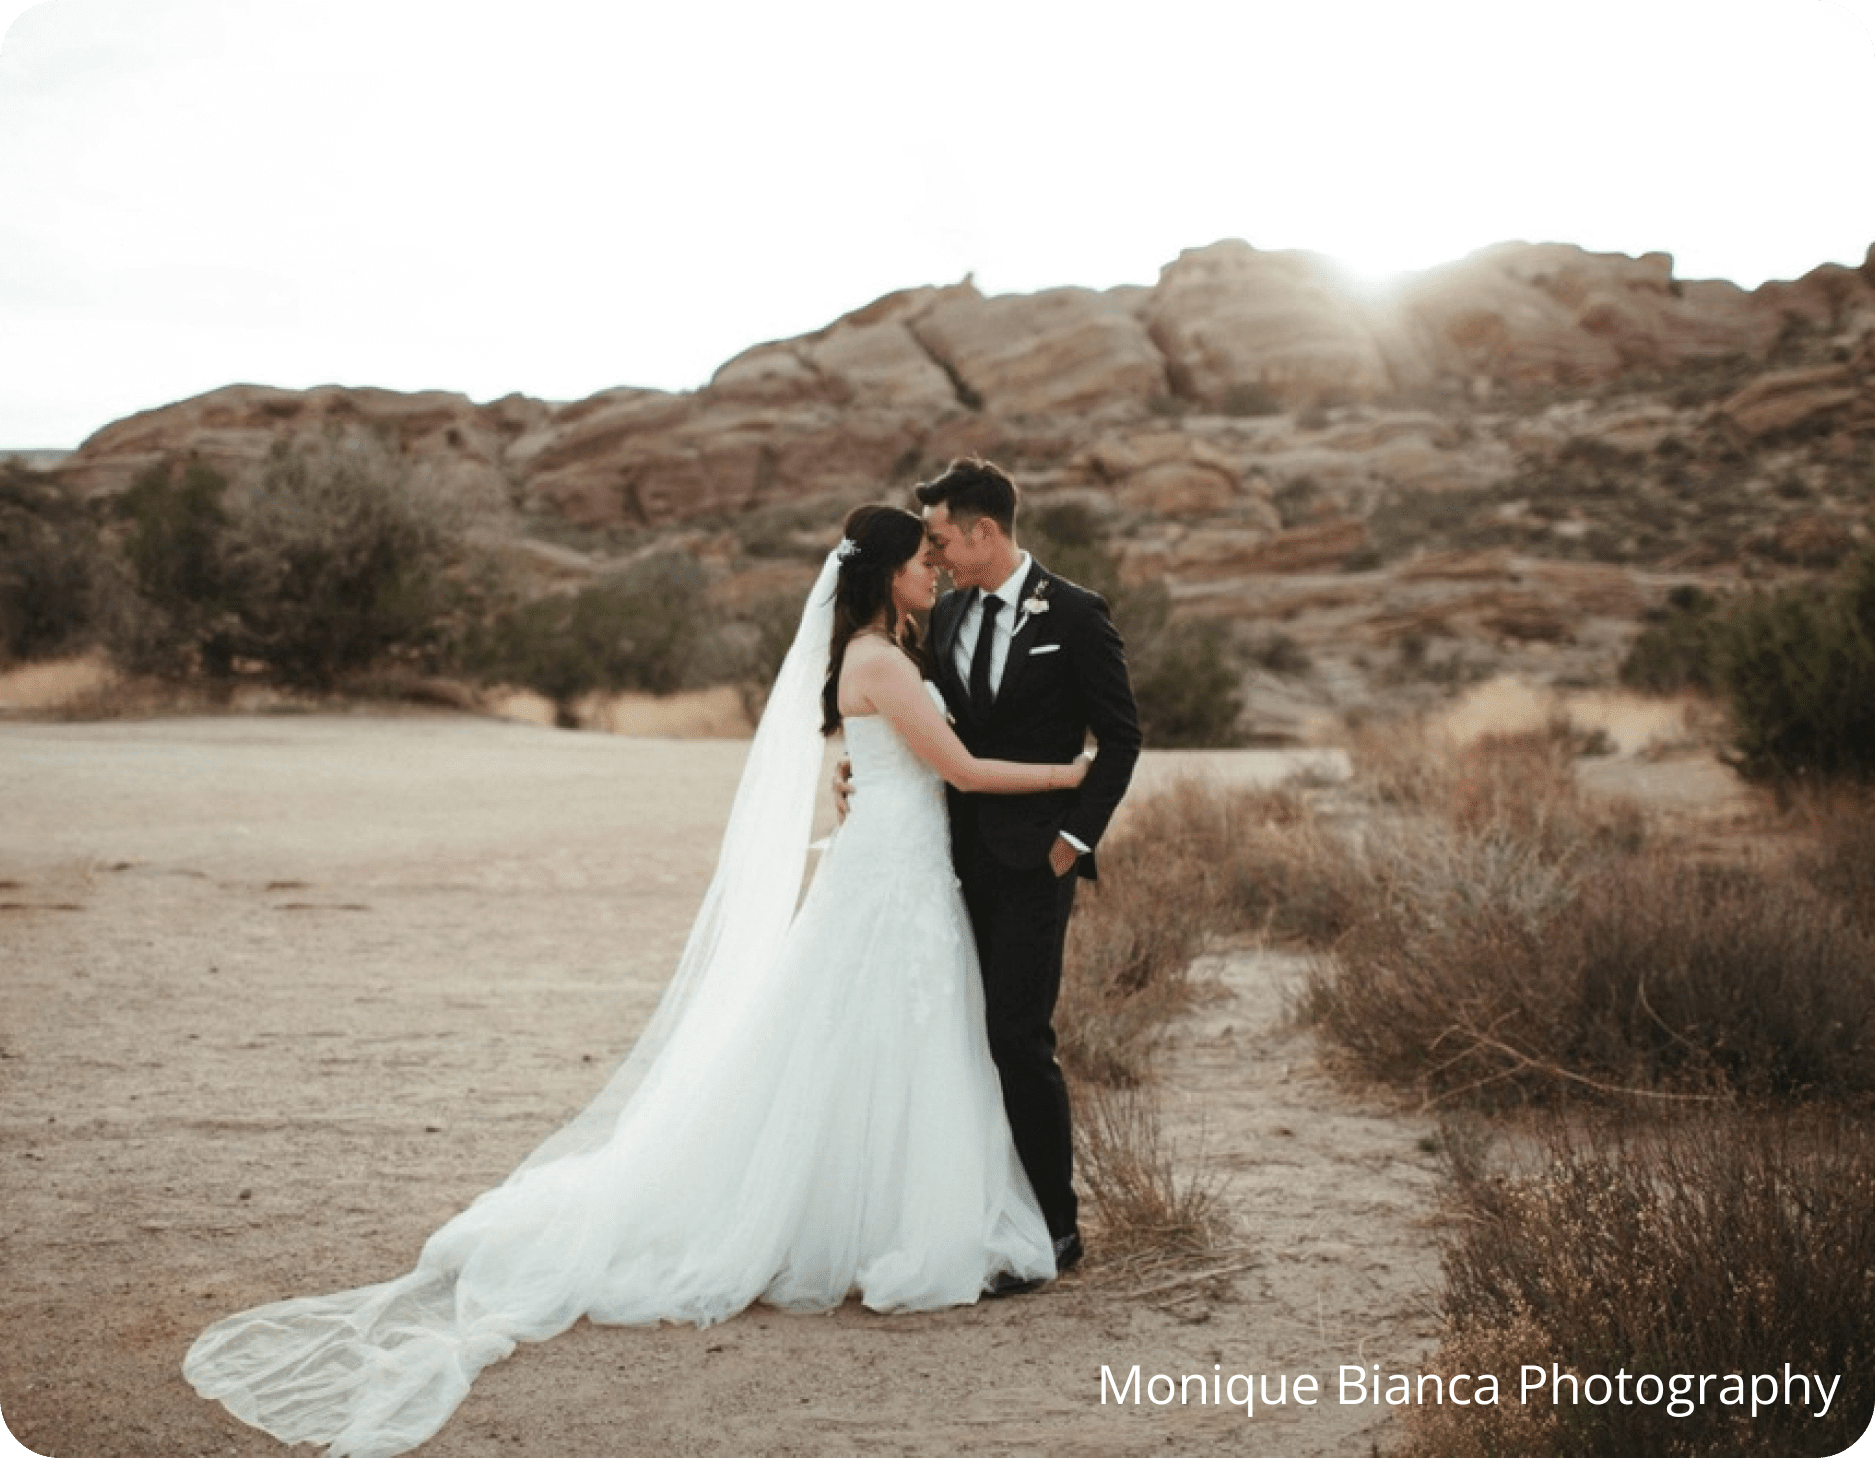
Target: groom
<point>1030,665</point>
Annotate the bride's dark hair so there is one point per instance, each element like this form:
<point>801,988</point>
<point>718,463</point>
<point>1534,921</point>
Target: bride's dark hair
<point>878,541</point>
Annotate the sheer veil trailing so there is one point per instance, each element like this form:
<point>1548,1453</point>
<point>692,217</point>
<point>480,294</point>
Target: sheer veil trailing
<point>758,873</point>
<point>377,1370</point>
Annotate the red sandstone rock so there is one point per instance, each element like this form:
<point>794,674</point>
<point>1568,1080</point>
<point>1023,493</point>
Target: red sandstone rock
<point>1789,399</point>
<point>1234,322</point>
<point>921,375</point>
<point>1063,350</point>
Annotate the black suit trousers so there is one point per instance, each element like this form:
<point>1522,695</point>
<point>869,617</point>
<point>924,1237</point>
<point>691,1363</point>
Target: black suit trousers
<point>1020,918</point>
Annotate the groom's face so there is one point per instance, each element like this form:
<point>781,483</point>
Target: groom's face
<point>966,549</point>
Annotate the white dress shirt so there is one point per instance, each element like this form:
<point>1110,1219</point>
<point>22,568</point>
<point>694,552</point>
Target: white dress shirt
<point>1005,627</point>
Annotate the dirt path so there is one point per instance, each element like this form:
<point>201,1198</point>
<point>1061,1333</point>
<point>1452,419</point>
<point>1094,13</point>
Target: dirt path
<point>278,996</point>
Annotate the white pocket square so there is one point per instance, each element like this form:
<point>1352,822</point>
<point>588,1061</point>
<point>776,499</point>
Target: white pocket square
<point>1044,648</point>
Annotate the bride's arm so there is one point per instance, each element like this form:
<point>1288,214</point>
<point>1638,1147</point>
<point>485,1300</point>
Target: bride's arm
<point>885,681</point>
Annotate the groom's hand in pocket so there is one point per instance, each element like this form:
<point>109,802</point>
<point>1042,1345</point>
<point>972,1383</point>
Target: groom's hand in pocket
<point>1061,857</point>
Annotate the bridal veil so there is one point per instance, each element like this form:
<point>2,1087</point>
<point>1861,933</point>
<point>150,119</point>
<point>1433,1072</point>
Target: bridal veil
<point>377,1370</point>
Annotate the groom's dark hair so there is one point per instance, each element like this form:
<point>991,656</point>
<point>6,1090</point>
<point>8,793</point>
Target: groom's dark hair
<point>972,489</point>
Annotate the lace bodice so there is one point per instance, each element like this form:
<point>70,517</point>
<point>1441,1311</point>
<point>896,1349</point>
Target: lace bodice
<point>898,799</point>
<point>879,753</point>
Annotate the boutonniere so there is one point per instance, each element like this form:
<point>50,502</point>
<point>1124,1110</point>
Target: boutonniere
<point>1035,602</point>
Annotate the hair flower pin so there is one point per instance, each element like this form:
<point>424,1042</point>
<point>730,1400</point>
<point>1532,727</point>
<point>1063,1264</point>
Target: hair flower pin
<point>847,550</point>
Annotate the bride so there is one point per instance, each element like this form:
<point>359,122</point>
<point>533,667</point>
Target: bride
<point>812,1111</point>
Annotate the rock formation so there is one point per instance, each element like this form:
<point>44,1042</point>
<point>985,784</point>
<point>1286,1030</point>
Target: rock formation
<point>1503,452</point>
<point>1203,395</point>
<point>1503,461</point>
<point>1240,327</point>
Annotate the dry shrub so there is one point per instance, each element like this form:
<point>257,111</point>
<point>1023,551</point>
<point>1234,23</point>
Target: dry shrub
<point>1518,944</point>
<point>1473,855</point>
<point>1744,976</point>
<point>1508,1429</point>
<point>1520,784</point>
<point>1734,1243</point>
<point>1437,984</point>
<point>1286,875</point>
<point>1522,942</point>
<point>1140,1203</point>
<point>1402,764</point>
<point>1125,970</point>
<point>1841,864</point>
<point>1182,868</point>
<point>1495,975</point>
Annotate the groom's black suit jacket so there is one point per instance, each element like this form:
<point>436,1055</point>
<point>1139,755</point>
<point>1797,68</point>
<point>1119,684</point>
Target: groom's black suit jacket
<point>1064,678</point>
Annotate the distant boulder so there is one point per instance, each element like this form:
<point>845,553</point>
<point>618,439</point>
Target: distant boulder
<point>1243,330</point>
<point>1059,351</point>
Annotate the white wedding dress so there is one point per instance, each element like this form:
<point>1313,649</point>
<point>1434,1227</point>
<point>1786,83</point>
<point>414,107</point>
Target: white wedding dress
<point>804,1120</point>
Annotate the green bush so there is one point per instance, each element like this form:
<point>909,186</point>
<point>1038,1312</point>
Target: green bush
<point>174,545</point>
<point>1070,539</point>
<point>1185,673</point>
<point>765,629</point>
<point>1798,666</point>
<point>1187,687</point>
<point>174,540</point>
<point>1281,654</point>
<point>644,629</point>
<point>50,569</point>
<point>790,528</point>
<point>334,558</point>
<point>1299,500</point>
<point>1251,399</point>
<point>1678,647</point>
<point>338,559</point>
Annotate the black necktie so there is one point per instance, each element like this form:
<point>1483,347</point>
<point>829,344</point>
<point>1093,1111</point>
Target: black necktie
<point>980,660</point>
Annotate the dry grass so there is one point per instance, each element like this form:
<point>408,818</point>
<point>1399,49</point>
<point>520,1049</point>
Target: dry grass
<point>1126,968</point>
<point>1497,938</point>
<point>1187,867</point>
<point>1520,786</point>
<point>1494,976</point>
<point>1521,941</point>
<point>1126,974</point>
<point>1840,823</point>
<point>1712,1244</point>
<point>1151,1208</point>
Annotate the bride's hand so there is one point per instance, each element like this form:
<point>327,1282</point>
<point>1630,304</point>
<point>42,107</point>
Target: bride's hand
<point>1079,769</point>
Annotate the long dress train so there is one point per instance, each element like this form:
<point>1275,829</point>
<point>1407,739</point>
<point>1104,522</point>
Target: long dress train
<point>833,1126</point>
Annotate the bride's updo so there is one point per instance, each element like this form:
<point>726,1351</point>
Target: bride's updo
<point>878,540</point>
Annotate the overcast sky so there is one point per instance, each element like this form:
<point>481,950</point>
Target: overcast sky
<point>557,196</point>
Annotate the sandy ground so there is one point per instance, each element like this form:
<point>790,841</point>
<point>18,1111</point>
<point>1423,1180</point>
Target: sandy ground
<point>278,995</point>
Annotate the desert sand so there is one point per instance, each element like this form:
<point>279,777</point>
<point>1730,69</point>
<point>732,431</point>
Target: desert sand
<point>282,993</point>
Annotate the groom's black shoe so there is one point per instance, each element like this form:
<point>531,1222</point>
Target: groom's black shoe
<point>1068,1253</point>
<point>1008,1283</point>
